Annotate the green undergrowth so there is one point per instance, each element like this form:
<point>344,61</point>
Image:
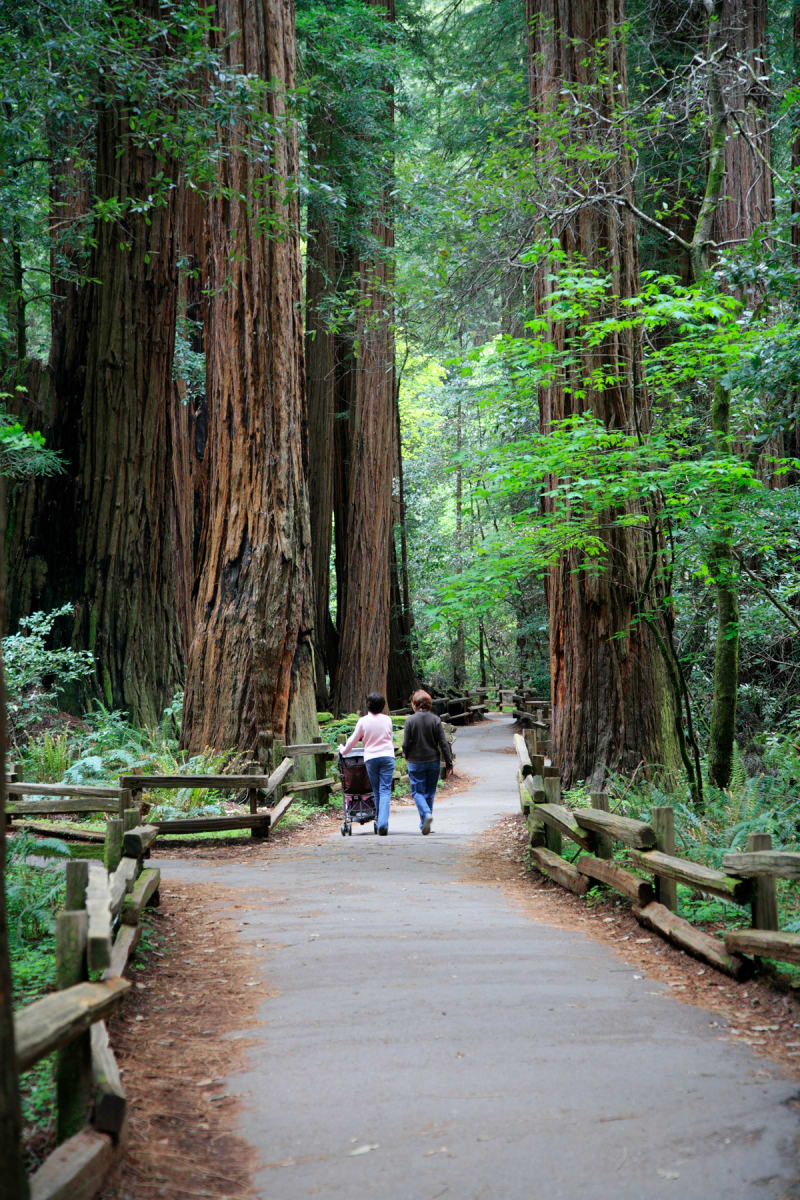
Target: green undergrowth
<point>767,802</point>
<point>34,894</point>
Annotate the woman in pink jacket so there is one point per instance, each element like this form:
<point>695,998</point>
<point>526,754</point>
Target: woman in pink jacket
<point>375,730</point>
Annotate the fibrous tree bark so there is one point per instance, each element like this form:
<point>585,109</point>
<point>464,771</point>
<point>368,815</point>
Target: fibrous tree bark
<point>250,663</point>
<point>363,570</point>
<point>612,704</point>
<point>323,262</point>
<point>126,611</point>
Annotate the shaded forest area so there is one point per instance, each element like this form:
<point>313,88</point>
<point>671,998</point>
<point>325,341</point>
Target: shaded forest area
<point>347,345</point>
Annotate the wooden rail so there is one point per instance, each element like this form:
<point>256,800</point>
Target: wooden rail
<point>91,1100</point>
<point>748,879</point>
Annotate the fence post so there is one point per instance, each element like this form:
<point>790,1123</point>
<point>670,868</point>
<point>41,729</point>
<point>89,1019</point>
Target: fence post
<point>765,896</point>
<point>604,845</point>
<point>663,821</point>
<point>254,768</point>
<point>77,873</point>
<point>74,1061</point>
<point>128,798</point>
<point>552,838</point>
<point>320,761</point>
<point>112,850</point>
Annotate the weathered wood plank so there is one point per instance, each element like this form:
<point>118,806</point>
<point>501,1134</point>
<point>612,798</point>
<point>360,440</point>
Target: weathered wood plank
<point>698,943</point>
<point>57,1018</point>
<point>534,786</point>
<point>310,785</point>
<point>76,873</point>
<point>113,845</point>
<point>302,749</point>
<point>121,883</point>
<point>559,870</point>
<point>621,829</point>
<point>68,833</point>
<point>212,824</point>
<point>766,943</point>
<point>58,805</point>
<point>63,789</point>
<point>124,943</point>
<point>782,864</point>
<point>146,886</point>
<point>284,768</point>
<point>663,821</point>
<point>523,757</point>
<point>604,846</point>
<point>73,1071</point>
<point>616,877</point>
<point>764,905</point>
<point>561,819</point>
<point>136,842</point>
<point>110,1099</point>
<point>98,906</point>
<point>525,800</point>
<point>280,808</point>
<point>218,783</point>
<point>76,1170</point>
<point>705,879</point>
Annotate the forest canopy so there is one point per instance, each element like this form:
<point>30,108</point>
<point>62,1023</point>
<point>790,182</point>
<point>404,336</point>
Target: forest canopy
<point>385,342</point>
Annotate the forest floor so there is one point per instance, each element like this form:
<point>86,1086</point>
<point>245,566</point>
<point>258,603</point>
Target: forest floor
<point>182,1032</point>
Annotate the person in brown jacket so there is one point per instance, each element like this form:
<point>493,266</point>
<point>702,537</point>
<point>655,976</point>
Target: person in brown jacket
<point>424,745</point>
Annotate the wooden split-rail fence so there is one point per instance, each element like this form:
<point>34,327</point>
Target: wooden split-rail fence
<point>95,936</point>
<point>40,800</point>
<point>748,879</point>
<point>456,710</point>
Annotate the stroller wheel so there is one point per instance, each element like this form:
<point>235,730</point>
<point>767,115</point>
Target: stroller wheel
<point>375,826</point>
<point>344,829</point>
<point>350,830</point>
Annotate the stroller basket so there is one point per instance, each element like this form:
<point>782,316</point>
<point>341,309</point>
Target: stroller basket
<point>358,800</point>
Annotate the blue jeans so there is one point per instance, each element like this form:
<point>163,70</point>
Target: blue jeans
<point>423,777</point>
<point>380,771</point>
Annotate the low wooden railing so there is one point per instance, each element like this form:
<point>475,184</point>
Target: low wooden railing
<point>60,799</point>
<point>260,788</point>
<point>96,934</point>
<point>747,881</point>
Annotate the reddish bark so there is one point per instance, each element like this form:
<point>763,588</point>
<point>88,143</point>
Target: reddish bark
<point>250,661</point>
<point>365,503</point>
<point>612,707</point>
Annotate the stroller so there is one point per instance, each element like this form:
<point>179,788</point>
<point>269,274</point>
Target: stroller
<point>359,802</point>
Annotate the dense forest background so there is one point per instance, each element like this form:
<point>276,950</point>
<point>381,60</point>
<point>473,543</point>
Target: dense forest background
<point>379,343</point>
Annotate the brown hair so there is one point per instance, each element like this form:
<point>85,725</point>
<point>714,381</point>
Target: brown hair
<point>421,700</point>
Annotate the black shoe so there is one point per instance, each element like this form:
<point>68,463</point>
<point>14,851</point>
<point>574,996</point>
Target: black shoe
<point>384,829</point>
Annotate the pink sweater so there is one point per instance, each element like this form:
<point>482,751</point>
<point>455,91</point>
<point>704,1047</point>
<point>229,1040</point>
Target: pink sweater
<point>375,730</point>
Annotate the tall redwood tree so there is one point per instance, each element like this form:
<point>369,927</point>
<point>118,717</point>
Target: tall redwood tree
<point>250,664</point>
<point>363,550</point>
<point>612,704</point>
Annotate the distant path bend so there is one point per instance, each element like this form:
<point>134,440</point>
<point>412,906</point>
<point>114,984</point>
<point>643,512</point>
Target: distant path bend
<point>424,1038</point>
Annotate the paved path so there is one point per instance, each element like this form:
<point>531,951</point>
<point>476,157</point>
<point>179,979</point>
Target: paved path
<point>425,1039</point>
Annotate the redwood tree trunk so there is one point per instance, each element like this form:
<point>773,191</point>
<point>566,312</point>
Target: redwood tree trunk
<point>250,664</point>
<point>321,389</point>
<point>363,579</point>
<point>127,609</point>
<point>612,707</point>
